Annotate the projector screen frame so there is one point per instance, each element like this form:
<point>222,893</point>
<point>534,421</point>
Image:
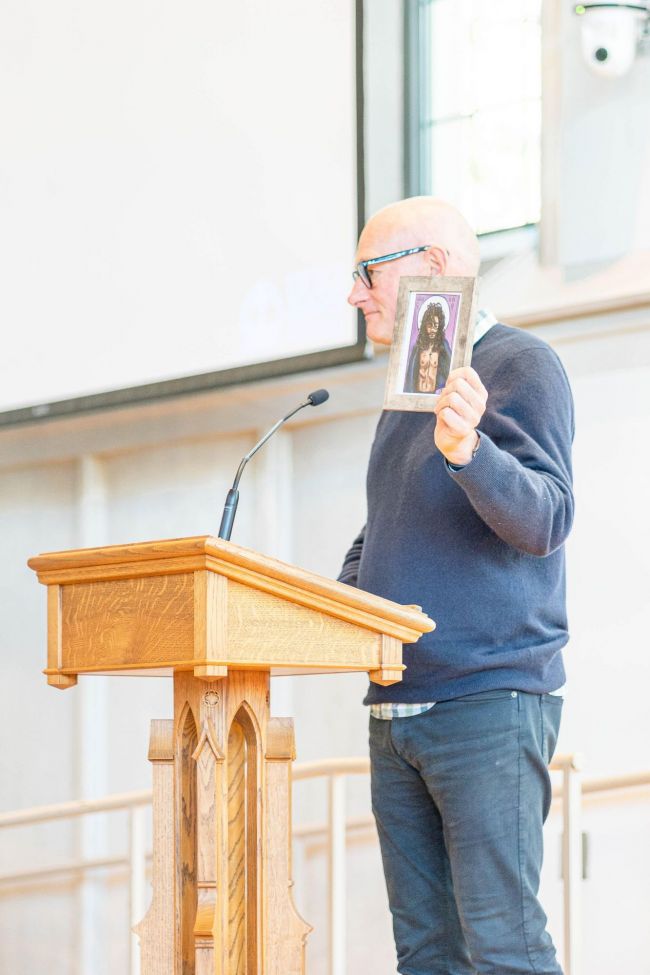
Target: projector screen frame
<point>205,382</point>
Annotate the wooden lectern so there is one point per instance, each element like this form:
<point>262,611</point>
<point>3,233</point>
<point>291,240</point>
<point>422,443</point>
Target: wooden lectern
<point>221,619</point>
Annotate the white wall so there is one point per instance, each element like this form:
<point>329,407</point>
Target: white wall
<point>37,728</point>
<point>609,557</point>
<point>597,151</point>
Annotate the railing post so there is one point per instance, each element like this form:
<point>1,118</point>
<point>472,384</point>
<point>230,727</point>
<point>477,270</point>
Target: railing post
<point>572,865</point>
<point>336,863</point>
<point>137,880</point>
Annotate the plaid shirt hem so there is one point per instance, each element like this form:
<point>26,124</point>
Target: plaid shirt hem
<point>385,712</point>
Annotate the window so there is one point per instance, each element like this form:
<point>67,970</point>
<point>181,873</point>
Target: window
<point>475,107</point>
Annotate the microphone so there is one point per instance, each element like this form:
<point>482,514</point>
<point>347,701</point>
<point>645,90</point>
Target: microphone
<point>232,498</point>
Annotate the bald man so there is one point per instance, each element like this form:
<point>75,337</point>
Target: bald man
<point>468,511</point>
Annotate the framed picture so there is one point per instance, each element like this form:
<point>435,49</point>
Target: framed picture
<point>434,332</point>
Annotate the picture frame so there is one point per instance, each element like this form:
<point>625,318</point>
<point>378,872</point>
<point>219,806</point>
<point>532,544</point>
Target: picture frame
<point>434,331</point>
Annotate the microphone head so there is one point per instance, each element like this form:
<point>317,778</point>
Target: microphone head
<point>318,396</point>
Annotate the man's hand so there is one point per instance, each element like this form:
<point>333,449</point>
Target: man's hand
<point>459,410</point>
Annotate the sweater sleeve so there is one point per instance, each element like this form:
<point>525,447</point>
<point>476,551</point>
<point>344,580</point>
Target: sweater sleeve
<point>350,569</point>
<point>520,481</point>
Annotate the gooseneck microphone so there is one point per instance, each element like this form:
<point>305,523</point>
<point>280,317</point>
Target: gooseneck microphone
<point>232,498</point>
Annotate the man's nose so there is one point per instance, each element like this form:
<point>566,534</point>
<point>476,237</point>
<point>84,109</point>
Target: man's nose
<point>358,293</point>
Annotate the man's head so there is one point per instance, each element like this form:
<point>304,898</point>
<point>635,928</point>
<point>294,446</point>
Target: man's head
<point>451,249</point>
<point>433,321</point>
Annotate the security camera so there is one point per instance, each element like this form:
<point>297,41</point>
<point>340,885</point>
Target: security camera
<point>612,35</point>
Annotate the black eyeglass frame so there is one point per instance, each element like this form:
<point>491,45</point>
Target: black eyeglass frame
<point>361,269</point>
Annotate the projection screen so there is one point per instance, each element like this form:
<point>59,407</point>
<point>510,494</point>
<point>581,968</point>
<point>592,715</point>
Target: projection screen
<point>180,196</point>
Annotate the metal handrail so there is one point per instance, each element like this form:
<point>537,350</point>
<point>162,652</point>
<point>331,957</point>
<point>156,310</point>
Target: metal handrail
<point>330,766</point>
<point>61,869</point>
<point>76,807</point>
<point>301,771</point>
<point>609,783</point>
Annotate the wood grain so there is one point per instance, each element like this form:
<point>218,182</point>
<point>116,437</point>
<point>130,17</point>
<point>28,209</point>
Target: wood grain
<point>54,656</point>
<point>127,570</point>
<point>54,642</point>
<point>62,681</point>
<point>192,696</point>
<point>209,759</point>
<point>178,556</point>
<point>156,930</point>
<point>222,901</point>
<point>210,617</point>
<point>391,667</point>
<point>280,740</point>
<point>208,623</point>
<point>210,672</point>
<point>186,856</point>
<point>121,623</point>
<point>268,630</point>
<point>237,850</point>
<point>381,619</point>
<point>286,931</point>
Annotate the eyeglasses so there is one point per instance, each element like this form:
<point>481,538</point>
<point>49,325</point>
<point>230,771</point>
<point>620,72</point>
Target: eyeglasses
<point>361,270</point>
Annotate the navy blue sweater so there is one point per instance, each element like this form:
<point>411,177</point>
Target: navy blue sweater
<point>480,549</point>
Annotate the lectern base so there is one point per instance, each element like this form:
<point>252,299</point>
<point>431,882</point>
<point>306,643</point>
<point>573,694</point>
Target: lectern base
<point>222,900</point>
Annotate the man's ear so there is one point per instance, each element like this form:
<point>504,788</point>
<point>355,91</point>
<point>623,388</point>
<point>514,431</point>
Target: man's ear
<point>437,258</point>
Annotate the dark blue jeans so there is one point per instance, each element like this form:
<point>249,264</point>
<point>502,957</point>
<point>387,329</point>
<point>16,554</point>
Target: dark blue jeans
<point>460,794</point>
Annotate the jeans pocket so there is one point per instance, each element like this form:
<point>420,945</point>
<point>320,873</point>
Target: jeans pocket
<point>489,716</point>
<point>551,705</point>
<point>484,696</point>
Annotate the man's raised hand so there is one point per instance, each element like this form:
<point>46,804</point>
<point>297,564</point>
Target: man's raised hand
<point>459,410</point>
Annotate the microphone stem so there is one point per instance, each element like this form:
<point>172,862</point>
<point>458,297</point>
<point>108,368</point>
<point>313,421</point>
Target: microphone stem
<point>229,512</point>
<point>245,460</point>
<point>232,498</point>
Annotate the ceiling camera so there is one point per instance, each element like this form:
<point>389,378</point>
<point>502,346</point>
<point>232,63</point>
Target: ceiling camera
<point>612,35</point>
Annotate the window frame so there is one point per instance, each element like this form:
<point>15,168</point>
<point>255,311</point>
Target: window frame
<point>495,244</point>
